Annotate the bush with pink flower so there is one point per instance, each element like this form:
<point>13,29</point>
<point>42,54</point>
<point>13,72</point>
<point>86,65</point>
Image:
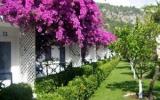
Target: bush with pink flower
<point>67,21</point>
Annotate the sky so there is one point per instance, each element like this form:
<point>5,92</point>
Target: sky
<point>136,3</point>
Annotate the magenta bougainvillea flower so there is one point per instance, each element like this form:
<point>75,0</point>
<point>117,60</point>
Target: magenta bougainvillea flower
<point>68,21</point>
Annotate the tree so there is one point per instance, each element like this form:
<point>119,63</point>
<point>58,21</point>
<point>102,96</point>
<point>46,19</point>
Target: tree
<point>138,45</point>
<point>142,46</point>
<point>64,22</point>
<point>154,12</point>
<point>121,46</point>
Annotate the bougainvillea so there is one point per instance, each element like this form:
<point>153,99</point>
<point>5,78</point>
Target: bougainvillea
<point>68,21</point>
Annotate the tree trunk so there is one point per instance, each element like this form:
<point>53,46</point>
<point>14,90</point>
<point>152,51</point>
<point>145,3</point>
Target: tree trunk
<point>134,74</point>
<point>140,94</point>
<point>151,86</point>
<point>133,70</point>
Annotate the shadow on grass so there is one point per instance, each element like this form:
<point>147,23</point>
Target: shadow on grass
<point>131,86</point>
<point>157,96</point>
<point>124,67</point>
<point>127,73</point>
<point>156,93</point>
<point>124,86</point>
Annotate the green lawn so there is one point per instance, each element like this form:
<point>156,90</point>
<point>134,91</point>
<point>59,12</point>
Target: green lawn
<point>119,83</point>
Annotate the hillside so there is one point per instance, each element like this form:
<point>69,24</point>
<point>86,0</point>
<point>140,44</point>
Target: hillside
<point>119,15</point>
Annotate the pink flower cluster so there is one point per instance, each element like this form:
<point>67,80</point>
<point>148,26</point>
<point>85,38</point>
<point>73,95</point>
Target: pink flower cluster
<point>68,21</point>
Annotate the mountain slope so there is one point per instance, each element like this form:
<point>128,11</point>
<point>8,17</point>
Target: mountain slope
<point>118,16</point>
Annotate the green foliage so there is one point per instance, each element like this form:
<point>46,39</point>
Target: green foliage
<point>119,82</point>
<point>99,63</point>
<point>121,46</point>
<point>112,24</point>
<point>142,45</point>
<point>154,12</point>
<point>87,69</point>
<point>50,96</point>
<point>16,92</point>
<point>52,82</point>
<point>138,44</point>
<point>82,87</point>
<point>108,67</point>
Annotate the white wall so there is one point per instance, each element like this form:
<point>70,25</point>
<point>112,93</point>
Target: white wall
<point>75,55</point>
<point>68,55</point>
<point>22,53</point>
<point>55,52</point>
<point>72,54</point>
<point>13,37</point>
<point>91,54</point>
<point>94,54</point>
<point>101,52</point>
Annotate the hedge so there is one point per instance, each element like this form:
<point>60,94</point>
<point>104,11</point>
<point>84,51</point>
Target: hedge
<point>82,86</point>
<point>52,82</point>
<point>16,92</point>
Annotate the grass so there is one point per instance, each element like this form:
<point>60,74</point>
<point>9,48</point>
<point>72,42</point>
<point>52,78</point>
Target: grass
<point>119,83</point>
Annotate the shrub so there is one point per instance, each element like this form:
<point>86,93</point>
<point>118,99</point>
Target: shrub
<point>82,87</point>
<point>50,96</point>
<point>52,82</point>
<point>68,92</point>
<point>108,67</point>
<point>84,83</point>
<point>87,69</point>
<point>45,85</point>
<point>99,63</point>
<point>16,92</point>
